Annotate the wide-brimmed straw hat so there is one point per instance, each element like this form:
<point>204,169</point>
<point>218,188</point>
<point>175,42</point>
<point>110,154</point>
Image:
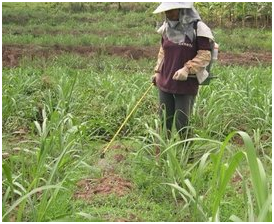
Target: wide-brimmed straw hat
<point>166,6</point>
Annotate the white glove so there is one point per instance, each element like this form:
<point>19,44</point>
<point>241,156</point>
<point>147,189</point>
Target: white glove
<point>181,74</point>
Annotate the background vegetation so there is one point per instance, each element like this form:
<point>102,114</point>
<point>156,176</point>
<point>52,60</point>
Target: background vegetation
<point>60,110</point>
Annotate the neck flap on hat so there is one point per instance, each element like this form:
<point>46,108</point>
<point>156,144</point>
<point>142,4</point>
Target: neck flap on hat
<point>176,31</point>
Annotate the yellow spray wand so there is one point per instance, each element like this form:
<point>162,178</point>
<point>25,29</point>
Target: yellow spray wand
<point>125,121</point>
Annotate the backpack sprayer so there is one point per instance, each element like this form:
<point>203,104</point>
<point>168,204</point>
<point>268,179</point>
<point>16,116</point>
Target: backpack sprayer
<point>214,56</point>
<point>214,48</point>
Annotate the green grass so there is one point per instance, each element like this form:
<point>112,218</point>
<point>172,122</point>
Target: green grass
<point>241,40</point>
<point>70,107</point>
<point>102,96</point>
<point>83,39</point>
<point>240,90</point>
<point>131,207</point>
<point>233,89</point>
<point>54,25</point>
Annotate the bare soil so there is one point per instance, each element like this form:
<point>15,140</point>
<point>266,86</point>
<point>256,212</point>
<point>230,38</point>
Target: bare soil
<point>111,184</point>
<point>12,53</point>
<point>119,157</point>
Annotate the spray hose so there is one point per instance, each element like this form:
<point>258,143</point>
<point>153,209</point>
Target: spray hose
<point>125,121</point>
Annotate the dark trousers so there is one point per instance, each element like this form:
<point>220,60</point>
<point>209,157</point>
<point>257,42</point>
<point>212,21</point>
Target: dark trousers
<point>175,106</point>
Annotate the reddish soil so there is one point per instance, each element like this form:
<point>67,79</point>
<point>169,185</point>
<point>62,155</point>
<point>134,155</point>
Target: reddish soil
<point>237,140</point>
<point>131,218</point>
<point>11,54</point>
<point>112,184</point>
<point>119,158</point>
<point>236,178</point>
<point>246,58</point>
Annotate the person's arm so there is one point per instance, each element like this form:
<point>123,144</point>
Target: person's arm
<point>160,60</point>
<point>203,57</point>
<point>159,64</point>
<point>198,63</point>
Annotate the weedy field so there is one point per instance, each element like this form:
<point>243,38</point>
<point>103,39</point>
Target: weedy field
<point>73,72</point>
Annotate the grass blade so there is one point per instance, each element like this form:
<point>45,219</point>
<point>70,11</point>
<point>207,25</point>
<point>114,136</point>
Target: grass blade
<point>257,171</point>
<point>236,159</point>
<point>34,191</point>
<point>235,218</point>
<point>264,215</point>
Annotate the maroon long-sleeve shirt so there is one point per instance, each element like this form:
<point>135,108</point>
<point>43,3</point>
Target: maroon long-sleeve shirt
<point>175,56</point>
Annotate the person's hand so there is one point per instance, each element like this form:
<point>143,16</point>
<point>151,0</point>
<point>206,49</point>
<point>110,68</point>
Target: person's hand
<point>181,74</point>
<point>154,78</point>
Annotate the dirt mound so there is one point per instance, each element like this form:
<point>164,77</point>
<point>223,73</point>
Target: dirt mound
<point>133,52</point>
<point>246,58</point>
<point>119,158</point>
<point>11,54</point>
<point>112,184</point>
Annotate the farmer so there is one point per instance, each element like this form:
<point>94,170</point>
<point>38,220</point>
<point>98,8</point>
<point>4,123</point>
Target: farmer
<point>182,52</point>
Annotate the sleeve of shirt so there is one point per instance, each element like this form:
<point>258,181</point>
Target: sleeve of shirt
<point>203,43</point>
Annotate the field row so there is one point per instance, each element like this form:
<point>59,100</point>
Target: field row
<point>72,73</point>
<point>131,28</point>
<point>14,55</point>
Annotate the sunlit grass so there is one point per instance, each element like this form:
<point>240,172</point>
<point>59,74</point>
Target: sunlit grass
<point>116,27</point>
<point>71,106</point>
